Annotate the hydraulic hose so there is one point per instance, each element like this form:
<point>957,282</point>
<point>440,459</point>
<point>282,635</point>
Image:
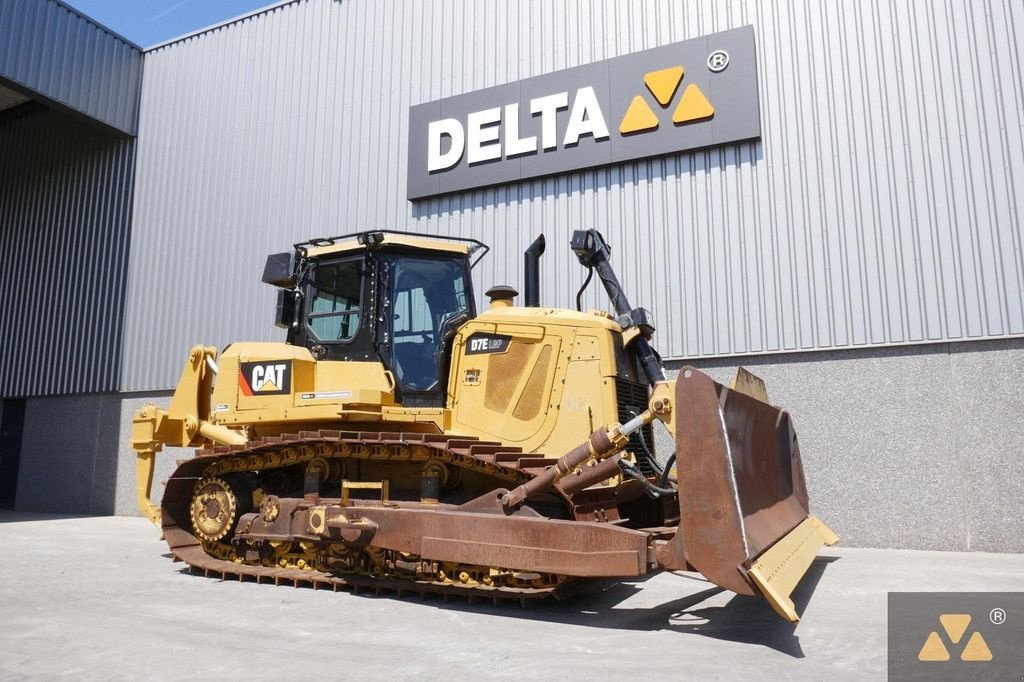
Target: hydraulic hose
<point>653,491</point>
<point>668,467</point>
<point>579,294</point>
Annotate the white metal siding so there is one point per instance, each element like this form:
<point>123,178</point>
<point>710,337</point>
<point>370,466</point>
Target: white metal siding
<point>882,205</point>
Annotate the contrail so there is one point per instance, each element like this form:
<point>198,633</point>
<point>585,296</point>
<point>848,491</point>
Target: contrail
<point>169,10</point>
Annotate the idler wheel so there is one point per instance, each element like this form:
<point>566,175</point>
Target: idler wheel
<point>215,508</point>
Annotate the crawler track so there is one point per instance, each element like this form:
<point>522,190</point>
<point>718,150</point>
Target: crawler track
<point>505,466</point>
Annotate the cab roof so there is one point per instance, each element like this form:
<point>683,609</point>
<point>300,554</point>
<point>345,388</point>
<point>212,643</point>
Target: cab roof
<point>374,239</point>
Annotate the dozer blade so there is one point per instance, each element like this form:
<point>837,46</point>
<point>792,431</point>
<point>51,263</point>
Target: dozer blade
<point>743,502</point>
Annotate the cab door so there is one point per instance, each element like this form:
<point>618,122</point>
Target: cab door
<point>429,298</point>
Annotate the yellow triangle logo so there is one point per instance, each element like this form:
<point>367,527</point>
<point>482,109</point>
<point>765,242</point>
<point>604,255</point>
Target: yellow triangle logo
<point>933,649</point>
<point>955,625</point>
<point>693,106</point>
<point>663,83</point>
<point>976,649</point>
<point>638,117</point>
<point>268,386</point>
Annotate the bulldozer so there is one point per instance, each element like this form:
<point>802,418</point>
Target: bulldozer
<point>401,441</point>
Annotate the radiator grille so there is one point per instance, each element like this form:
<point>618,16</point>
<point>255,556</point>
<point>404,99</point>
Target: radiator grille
<point>632,400</point>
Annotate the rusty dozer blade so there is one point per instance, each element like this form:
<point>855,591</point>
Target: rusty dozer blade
<point>743,503</point>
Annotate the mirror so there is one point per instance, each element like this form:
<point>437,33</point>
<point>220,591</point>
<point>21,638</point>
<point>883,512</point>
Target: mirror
<point>287,304</point>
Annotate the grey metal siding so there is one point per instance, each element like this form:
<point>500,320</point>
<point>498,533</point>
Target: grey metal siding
<point>881,207</point>
<point>50,49</point>
<point>65,202</point>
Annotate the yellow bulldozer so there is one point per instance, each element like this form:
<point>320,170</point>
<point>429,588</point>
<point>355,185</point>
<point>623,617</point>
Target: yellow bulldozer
<point>400,440</point>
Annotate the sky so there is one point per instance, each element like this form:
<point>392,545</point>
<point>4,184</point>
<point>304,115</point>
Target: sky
<point>148,22</point>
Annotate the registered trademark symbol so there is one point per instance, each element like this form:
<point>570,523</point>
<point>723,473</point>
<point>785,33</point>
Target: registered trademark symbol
<point>718,60</point>
<point>997,616</point>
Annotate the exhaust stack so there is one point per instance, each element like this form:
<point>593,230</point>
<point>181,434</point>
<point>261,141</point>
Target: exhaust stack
<point>531,273</point>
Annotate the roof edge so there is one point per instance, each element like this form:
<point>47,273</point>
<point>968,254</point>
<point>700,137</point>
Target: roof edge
<point>220,24</point>
<point>99,25</point>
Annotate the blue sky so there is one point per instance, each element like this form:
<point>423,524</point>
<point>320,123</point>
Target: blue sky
<point>148,22</point>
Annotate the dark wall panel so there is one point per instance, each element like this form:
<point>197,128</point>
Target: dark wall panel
<point>50,50</point>
<point>69,455</point>
<point>65,209</point>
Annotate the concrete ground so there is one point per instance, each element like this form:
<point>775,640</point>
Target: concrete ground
<point>97,598</point>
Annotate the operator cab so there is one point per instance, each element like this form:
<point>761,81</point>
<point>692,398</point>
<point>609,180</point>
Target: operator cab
<point>392,297</point>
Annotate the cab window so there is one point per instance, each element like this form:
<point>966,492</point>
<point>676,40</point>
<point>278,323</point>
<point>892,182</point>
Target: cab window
<point>335,298</point>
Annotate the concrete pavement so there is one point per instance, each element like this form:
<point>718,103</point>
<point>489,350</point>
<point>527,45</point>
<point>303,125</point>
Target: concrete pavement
<point>97,598</point>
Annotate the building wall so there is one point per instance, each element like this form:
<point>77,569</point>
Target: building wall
<point>52,52</point>
<point>68,461</point>
<point>911,447</point>
<point>65,212</point>
<point>880,207</point>
<point>76,455</point>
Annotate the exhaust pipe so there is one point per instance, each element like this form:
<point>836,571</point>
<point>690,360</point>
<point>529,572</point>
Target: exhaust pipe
<point>531,272</point>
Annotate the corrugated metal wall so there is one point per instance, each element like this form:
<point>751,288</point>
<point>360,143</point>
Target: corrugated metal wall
<point>48,48</point>
<point>65,202</point>
<point>882,205</point>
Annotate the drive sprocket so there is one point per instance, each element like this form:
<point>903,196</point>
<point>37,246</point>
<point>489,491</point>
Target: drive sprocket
<point>214,509</point>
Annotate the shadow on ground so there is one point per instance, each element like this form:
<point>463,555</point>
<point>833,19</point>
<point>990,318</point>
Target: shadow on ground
<point>744,619</point>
